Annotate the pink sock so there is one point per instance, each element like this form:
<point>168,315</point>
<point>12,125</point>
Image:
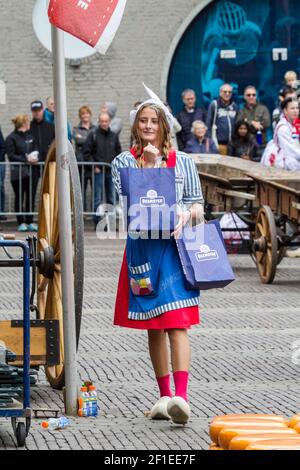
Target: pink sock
<point>164,386</point>
<point>181,379</point>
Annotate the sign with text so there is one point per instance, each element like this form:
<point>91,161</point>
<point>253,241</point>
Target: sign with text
<point>93,21</point>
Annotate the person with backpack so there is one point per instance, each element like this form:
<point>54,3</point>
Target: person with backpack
<point>221,118</point>
<point>284,150</point>
<point>102,146</point>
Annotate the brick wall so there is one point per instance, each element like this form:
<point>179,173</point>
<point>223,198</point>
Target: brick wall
<point>137,54</point>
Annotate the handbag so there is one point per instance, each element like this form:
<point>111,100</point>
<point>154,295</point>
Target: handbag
<point>149,198</point>
<point>204,258</point>
<point>273,154</point>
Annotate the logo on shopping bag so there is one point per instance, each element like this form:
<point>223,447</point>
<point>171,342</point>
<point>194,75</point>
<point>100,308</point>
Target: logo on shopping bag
<point>206,254</point>
<point>152,199</point>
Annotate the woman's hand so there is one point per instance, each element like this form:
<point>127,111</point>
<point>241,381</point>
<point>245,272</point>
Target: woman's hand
<point>195,213</point>
<point>257,125</point>
<point>183,219</point>
<point>246,157</point>
<point>150,154</point>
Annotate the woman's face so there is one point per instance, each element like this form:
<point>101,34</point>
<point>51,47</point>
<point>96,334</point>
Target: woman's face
<point>85,117</point>
<point>292,111</point>
<point>242,131</point>
<point>200,131</point>
<point>148,127</point>
<point>26,124</point>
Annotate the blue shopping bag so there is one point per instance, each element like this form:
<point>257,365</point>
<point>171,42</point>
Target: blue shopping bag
<point>204,258</point>
<point>149,197</point>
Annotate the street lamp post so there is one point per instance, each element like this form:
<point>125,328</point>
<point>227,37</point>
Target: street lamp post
<point>65,226</point>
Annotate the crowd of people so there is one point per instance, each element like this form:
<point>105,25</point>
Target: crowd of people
<point>30,142</point>
<point>243,131</point>
<point>225,128</point>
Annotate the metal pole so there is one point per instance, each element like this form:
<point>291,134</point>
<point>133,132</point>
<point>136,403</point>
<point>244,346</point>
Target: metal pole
<point>65,227</point>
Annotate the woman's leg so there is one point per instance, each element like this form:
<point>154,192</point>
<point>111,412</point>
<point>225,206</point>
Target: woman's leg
<point>18,204</point>
<point>180,349</point>
<point>180,358</point>
<point>159,354</point>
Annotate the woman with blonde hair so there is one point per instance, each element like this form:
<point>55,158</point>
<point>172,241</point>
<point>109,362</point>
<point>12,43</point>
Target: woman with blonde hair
<point>167,310</point>
<point>80,135</point>
<point>22,148</point>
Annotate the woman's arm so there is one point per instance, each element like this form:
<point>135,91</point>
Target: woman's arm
<point>11,151</point>
<point>192,199</point>
<point>192,216</point>
<point>124,160</point>
<point>289,146</point>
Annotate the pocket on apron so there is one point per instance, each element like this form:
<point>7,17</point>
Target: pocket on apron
<point>140,280</point>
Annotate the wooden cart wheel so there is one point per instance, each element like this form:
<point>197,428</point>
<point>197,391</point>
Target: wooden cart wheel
<point>281,253</point>
<point>49,297</point>
<point>266,245</point>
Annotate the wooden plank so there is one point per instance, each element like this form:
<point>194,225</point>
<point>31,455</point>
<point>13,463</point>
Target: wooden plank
<point>214,178</point>
<point>13,339</point>
<point>278,185</point>
<point>238,167</point>
<point>296,205</point>
<point>238,194</point>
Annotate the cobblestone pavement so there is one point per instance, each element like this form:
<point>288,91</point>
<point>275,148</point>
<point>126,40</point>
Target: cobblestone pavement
<point>242,359</point>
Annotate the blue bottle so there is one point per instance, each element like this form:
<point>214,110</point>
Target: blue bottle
<point>259,138</point>
<point>93,405</point>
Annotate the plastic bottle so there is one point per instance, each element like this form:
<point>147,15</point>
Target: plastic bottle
<point>93,406</point>
<point>56,423</point>
<point>83,402</point>
<point>259,138</point>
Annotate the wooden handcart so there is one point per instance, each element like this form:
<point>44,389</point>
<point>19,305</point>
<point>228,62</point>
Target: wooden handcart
<point>266,199</point>
<point>277,223</point>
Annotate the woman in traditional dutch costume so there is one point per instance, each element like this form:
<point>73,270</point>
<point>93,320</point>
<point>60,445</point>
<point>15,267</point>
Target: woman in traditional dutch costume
<point>151,291</point>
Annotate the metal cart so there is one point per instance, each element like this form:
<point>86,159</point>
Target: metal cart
<point>21,429</point>
<point>47,333</point>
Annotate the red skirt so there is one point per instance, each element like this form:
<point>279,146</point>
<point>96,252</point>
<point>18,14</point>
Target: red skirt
<point>182,318</point>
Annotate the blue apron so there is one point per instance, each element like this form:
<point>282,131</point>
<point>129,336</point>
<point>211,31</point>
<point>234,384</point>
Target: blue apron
<point>156,279</point>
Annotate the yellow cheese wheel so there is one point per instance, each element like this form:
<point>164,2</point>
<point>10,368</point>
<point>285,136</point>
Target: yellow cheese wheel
<point>297,428</point>
<point>217,426</point>
<point>293,443</point>
<point>247,416</point>
<point>214,447</point>
<point>228,433</point>
<point>244,440</point>
<point>294,420</point>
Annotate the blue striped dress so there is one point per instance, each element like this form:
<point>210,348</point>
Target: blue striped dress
<point>164,272</point>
